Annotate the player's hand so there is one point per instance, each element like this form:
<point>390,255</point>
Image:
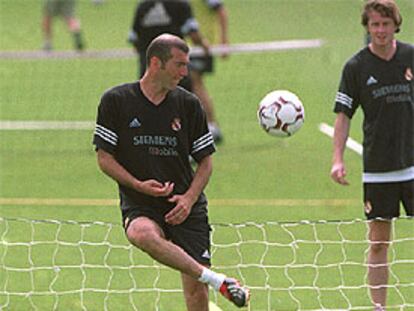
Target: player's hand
<point>225,51</point>
<point>338,174</point>
<point>181,210</point>
<point>155,188</point>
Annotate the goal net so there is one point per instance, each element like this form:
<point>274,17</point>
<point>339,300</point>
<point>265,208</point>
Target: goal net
<point>68,265</point>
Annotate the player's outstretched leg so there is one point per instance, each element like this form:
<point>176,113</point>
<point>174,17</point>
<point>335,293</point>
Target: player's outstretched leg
<point>233,291</point>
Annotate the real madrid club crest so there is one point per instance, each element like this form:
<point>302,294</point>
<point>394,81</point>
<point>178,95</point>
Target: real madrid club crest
<point>176,124</point>
<point>408,74</point>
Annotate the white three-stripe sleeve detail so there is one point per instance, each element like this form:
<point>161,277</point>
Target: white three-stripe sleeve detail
<point>344,99</point>
<point>106,134</point>
<point>202,142</point>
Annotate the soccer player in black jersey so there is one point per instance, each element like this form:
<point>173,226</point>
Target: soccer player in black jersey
<point>379,78</point>
<point>213,18</point>
<point>154,17</point>
<point>144,135</point>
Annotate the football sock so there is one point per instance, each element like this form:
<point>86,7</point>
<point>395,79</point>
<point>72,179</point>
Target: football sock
<point>212,278</point>
<point>77,36</point>
<point>47,45</point>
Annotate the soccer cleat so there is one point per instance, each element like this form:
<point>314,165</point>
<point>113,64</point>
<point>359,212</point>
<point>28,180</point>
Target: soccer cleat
<point>47,46</point>
<point>78,42</point>
<point>233,291</point>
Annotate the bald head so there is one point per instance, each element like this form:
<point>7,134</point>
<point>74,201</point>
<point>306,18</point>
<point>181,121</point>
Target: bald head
<point>161,47</point>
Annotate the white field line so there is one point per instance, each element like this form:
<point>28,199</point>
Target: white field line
<point>260,47</point>
<point>350,143</point>
<point>46,125</point>
<point>256,47</point>
<point>212,202</point>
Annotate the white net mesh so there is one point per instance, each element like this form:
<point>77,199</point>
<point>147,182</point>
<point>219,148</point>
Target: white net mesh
<point>51,265</point>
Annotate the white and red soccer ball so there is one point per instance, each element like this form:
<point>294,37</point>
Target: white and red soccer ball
<point>281,113</point>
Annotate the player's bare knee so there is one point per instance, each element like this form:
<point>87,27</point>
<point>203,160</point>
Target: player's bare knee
<point>142,235</point>
<point>73,24</point>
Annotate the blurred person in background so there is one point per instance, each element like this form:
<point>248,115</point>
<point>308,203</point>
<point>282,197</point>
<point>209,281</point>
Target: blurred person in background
<point>213,18</point>
<point>380,79</point>
<point>65,9</point>
<point>155,17</point>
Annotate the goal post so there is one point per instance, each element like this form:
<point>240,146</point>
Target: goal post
<point>305,265</point>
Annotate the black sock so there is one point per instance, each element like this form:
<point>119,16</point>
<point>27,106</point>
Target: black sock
<point>78,41</point>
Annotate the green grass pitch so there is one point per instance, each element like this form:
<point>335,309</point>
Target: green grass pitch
<point>257,178</point>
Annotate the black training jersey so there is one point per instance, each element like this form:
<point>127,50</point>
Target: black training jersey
<point>153,141</point>
<point>385,91</point>
<point>154,17</point>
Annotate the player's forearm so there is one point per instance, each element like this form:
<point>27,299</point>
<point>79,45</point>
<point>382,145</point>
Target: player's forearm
<point>113,169</point>
<point>341,133</point>
<point>201,178</point>
<point>223,22</point>
<point>199,40</point>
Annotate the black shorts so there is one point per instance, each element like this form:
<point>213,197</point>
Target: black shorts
<point>202,64</point>
<point>59,7</point>
<point>193,235</point>
<point>382,200</point>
